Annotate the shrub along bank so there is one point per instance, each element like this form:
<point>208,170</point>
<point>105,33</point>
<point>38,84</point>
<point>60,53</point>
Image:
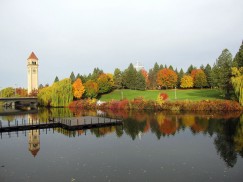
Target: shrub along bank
<point>141,104</point>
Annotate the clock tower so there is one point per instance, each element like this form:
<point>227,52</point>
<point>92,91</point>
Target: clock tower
<point>32,66</point>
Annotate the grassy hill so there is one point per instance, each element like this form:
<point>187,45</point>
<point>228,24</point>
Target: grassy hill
<point>190,94</point>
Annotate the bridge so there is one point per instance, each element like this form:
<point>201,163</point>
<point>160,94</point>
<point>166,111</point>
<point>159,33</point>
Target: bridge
<point>19,101</point>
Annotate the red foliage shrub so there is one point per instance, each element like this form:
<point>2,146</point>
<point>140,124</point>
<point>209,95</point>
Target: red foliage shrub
<point>164,96</point>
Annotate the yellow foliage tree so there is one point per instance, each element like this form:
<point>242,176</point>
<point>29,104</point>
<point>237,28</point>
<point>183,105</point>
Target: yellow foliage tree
<point>186,81</point>
<point>78,89</point>
<point>237,82</point>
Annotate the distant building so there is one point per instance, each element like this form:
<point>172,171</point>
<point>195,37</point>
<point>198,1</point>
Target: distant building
<point>32,66</point>
<point>138,66</point>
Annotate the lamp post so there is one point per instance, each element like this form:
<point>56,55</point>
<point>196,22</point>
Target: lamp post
<point>175,93</point>
<point>122,95</point>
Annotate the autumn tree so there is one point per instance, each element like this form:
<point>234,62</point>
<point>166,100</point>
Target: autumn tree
<point>199,78</point>
<point>186,81</point>
<point>145,75</point>
<point>22,92</point>
<point>166,78</point>
<point>91,89</point>
<point>105,83</point>
<point>78,89</point>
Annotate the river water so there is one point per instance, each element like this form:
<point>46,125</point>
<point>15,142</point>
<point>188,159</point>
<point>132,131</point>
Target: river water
<point>148,146</point>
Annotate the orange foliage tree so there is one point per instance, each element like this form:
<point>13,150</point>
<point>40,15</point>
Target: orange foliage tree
<point>166,78</point>
<point>186,81</point>
<point>145,75</point>
<point>78,89</point>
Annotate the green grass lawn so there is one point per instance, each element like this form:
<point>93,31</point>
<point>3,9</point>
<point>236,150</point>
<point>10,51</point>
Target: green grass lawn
<point>190,94</point>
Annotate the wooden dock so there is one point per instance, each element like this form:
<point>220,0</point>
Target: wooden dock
<point>71,124</point>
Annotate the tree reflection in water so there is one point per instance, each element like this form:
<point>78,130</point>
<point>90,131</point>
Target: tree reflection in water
<point>225,128</point>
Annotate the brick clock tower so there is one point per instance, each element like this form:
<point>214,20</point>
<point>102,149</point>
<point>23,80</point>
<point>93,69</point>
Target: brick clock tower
<point>32,66</point>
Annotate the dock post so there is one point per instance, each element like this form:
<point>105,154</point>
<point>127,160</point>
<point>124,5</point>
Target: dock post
<point>98,120</point>
<point>84,121</point>
<point>91,120</point>
<point>17,123</point>
<point>77,122</point>
<point>8,123</point>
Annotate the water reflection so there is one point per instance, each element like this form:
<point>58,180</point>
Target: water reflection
<point>226,129</point>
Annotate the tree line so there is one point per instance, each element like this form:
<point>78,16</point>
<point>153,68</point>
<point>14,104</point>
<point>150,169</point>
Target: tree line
<point>226,74</point>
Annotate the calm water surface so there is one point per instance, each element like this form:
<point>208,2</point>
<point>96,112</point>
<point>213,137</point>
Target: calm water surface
<point>148,147</point>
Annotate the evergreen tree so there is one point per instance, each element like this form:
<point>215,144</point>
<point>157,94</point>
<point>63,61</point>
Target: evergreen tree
<point>238,60</point>
<point>72,77</point>
<point>56,79</point>
<point>96,73</point>
<point>140,81</point>
<point>129,77</point>
<point>78,76</point>
<point>180,75</point>
<point>222,72</point>
<point>189,70</point>
<point>40,86</point>
<point>171,68</point>
<point>152,76</point>
<point>208,72</point>
<point>118,78</point>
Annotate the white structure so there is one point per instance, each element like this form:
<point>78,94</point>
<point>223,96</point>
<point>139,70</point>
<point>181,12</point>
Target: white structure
<point>32,66</point>
<point>138,66</point>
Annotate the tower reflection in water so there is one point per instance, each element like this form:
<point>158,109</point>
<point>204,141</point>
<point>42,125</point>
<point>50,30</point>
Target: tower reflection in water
<point>33,137</point>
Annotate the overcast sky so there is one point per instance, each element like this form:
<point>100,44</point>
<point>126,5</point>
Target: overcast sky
<point>76,35</point>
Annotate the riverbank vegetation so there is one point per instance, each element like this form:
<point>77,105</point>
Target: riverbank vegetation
<point>223,80</point>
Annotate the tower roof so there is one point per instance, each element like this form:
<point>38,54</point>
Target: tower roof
<point>33,56</point>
